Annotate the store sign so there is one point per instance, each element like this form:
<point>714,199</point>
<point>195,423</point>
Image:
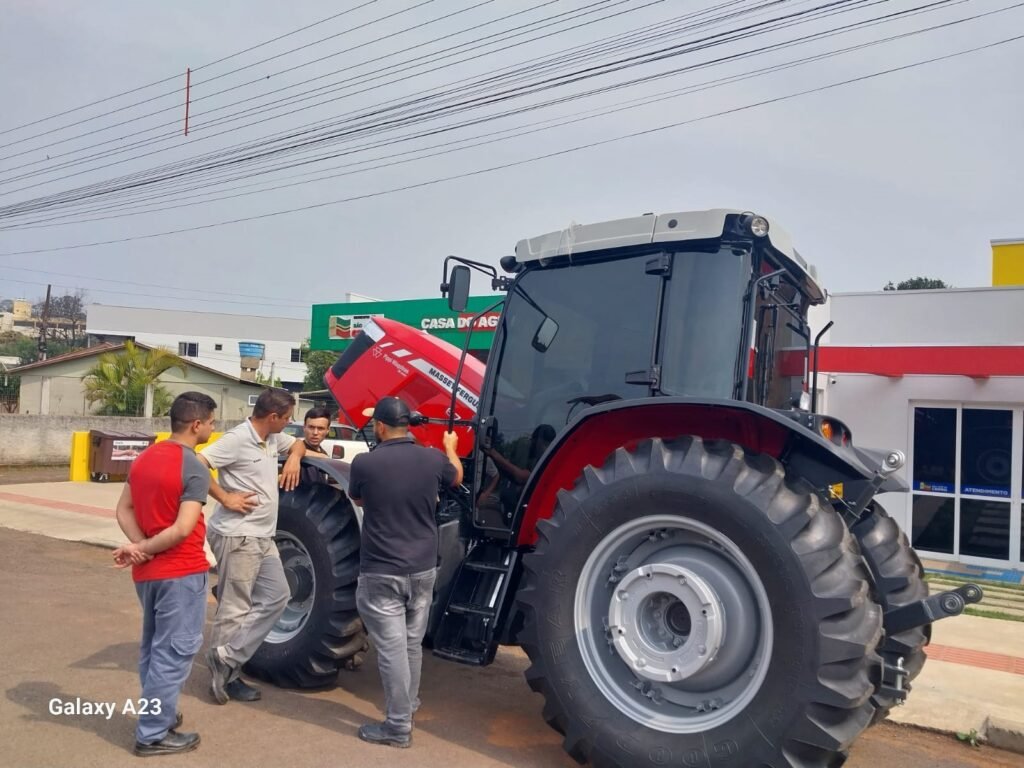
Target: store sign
<point>348,326</point>
<point>334,326</point>
<point>487,322</point>
<point>934,487</point>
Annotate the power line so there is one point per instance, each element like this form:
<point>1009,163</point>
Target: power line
<point>175,134</point>
<point>604,89</point>
<point>245,84</point>
<point>517,132</point>
<point>190,289</point>
<point>643,58</point>
<point>230,118</point>
<point>152,295</point>
<point>534,159</point>
<point>169,78</point>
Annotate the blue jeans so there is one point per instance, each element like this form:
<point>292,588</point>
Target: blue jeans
<point>395,611</point>
<point>173,613</point>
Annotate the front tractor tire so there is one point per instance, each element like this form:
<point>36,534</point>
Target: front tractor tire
<point>898,581</point>
<point>320,631</point>
<point>688,604</point>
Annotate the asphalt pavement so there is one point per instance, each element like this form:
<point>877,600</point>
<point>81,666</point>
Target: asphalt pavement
<point>71,626</point>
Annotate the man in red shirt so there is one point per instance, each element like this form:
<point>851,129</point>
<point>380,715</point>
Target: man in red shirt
<point>161,513</point>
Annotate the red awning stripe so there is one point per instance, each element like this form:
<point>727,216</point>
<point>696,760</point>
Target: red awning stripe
<point>976,362</point>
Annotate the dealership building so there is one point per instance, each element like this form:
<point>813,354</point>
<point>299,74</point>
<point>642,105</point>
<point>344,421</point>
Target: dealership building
<point>937,374</point>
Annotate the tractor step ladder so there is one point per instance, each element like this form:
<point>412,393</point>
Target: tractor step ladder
<point>467,633</point>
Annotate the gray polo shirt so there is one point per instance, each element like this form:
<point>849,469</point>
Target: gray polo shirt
<point>245,463</point>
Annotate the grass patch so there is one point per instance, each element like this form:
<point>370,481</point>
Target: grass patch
<point>1007,585</point>
<point>989,614</point>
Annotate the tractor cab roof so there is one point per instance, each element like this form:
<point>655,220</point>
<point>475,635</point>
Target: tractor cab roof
<point>651,229</point>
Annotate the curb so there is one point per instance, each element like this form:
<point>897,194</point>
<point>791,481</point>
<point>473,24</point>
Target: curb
<point>1005,734</point>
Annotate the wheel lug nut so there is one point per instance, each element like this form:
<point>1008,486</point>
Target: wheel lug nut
<point>702,650</point>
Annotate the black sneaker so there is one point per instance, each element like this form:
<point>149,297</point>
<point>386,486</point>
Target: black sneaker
<point>178,720</point>
<point>171,744</point>
<point>219,674</point>
<point>238,690</point>
<point>379,733</point>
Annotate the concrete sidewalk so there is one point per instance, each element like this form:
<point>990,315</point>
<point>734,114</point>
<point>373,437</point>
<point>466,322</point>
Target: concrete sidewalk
<point>975,670</point>
<point>81,512</point>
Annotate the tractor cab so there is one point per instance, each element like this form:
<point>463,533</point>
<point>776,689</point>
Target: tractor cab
<point>701,305</point>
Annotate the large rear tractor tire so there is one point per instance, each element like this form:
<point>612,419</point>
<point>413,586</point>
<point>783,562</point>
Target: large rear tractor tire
<point>899,580</point>
<point>688,604</point>
<point>320,631</point>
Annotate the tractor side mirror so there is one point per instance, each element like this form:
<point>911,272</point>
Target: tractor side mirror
<point>545,335</point>
<point>458,288</point>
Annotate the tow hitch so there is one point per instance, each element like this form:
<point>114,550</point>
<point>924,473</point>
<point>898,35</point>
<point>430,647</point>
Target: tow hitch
<point>932,608</point>
<point>927,611</point>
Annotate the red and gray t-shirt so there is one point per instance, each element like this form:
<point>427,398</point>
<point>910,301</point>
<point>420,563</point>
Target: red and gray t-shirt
<point>165,475</point>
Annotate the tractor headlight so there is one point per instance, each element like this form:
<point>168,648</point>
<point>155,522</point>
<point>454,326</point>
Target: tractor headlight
<point>752,224</point>
<point>759,226</point>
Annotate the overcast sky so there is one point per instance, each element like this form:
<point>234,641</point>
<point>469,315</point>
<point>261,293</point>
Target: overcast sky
<point>908,174</point>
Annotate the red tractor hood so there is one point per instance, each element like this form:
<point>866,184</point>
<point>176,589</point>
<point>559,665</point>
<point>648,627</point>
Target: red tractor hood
<point>392,359</point>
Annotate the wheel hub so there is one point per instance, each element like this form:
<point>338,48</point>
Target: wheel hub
<point>666,622</point>
<point>301,578</point>
<point>300,582</point>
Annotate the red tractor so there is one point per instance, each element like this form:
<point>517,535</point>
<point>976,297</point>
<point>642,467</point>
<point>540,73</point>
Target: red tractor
<point>691,555</point>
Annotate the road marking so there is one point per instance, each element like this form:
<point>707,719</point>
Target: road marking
<point>65,506</point>
<point>1000,662</point>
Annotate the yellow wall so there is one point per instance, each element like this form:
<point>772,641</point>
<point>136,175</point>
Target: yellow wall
<point>1008,263</point>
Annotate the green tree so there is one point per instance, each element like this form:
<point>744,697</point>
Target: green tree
<point>318,362</point>
<point>916,284</point>
<point>267,381</point>
<point>14,344</point>
<point>117,382</point>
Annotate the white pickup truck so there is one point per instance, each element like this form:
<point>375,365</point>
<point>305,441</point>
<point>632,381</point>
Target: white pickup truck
<point>343,441</point>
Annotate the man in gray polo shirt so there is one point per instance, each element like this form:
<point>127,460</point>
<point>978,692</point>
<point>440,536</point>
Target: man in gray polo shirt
<point>252,591</point>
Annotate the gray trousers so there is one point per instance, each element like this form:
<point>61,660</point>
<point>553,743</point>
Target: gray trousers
<point>395,611</point>
<point>173,614</point>
<point>252,593</point>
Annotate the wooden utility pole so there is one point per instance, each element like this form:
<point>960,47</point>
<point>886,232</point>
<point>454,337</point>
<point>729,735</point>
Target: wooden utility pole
<point>188,95</point>
<point>43,323</point>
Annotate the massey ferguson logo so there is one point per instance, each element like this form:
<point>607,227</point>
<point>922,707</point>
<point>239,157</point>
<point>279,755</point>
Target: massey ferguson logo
<point>348,326</point>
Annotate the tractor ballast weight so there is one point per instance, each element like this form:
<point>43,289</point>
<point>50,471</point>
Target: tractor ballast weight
<point>691,556</point>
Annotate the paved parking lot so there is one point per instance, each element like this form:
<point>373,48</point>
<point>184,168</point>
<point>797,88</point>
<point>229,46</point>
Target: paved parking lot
<point>71,627</point>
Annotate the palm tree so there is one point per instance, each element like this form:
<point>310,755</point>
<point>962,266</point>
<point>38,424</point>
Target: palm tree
<point>118,381</point>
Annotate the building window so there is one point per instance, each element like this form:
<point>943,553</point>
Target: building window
<point>985,452</point>
<point>934,523</point>
<point>296,355</point>
<point>218,347</point>
<point>188,349</point>
<point>963,500</point>
<point>934,449</point>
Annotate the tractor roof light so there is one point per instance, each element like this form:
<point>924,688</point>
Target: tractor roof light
<point>759,226</point>
<point>753,225</point>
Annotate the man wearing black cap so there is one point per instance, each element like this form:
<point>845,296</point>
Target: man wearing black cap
<point>397,485</point>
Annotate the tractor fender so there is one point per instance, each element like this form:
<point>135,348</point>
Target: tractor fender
<point>599,431</point>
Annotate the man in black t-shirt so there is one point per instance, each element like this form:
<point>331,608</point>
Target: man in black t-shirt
<point>397,485</point>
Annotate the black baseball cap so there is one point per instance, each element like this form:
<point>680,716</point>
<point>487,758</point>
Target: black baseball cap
<point>391,411</point>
